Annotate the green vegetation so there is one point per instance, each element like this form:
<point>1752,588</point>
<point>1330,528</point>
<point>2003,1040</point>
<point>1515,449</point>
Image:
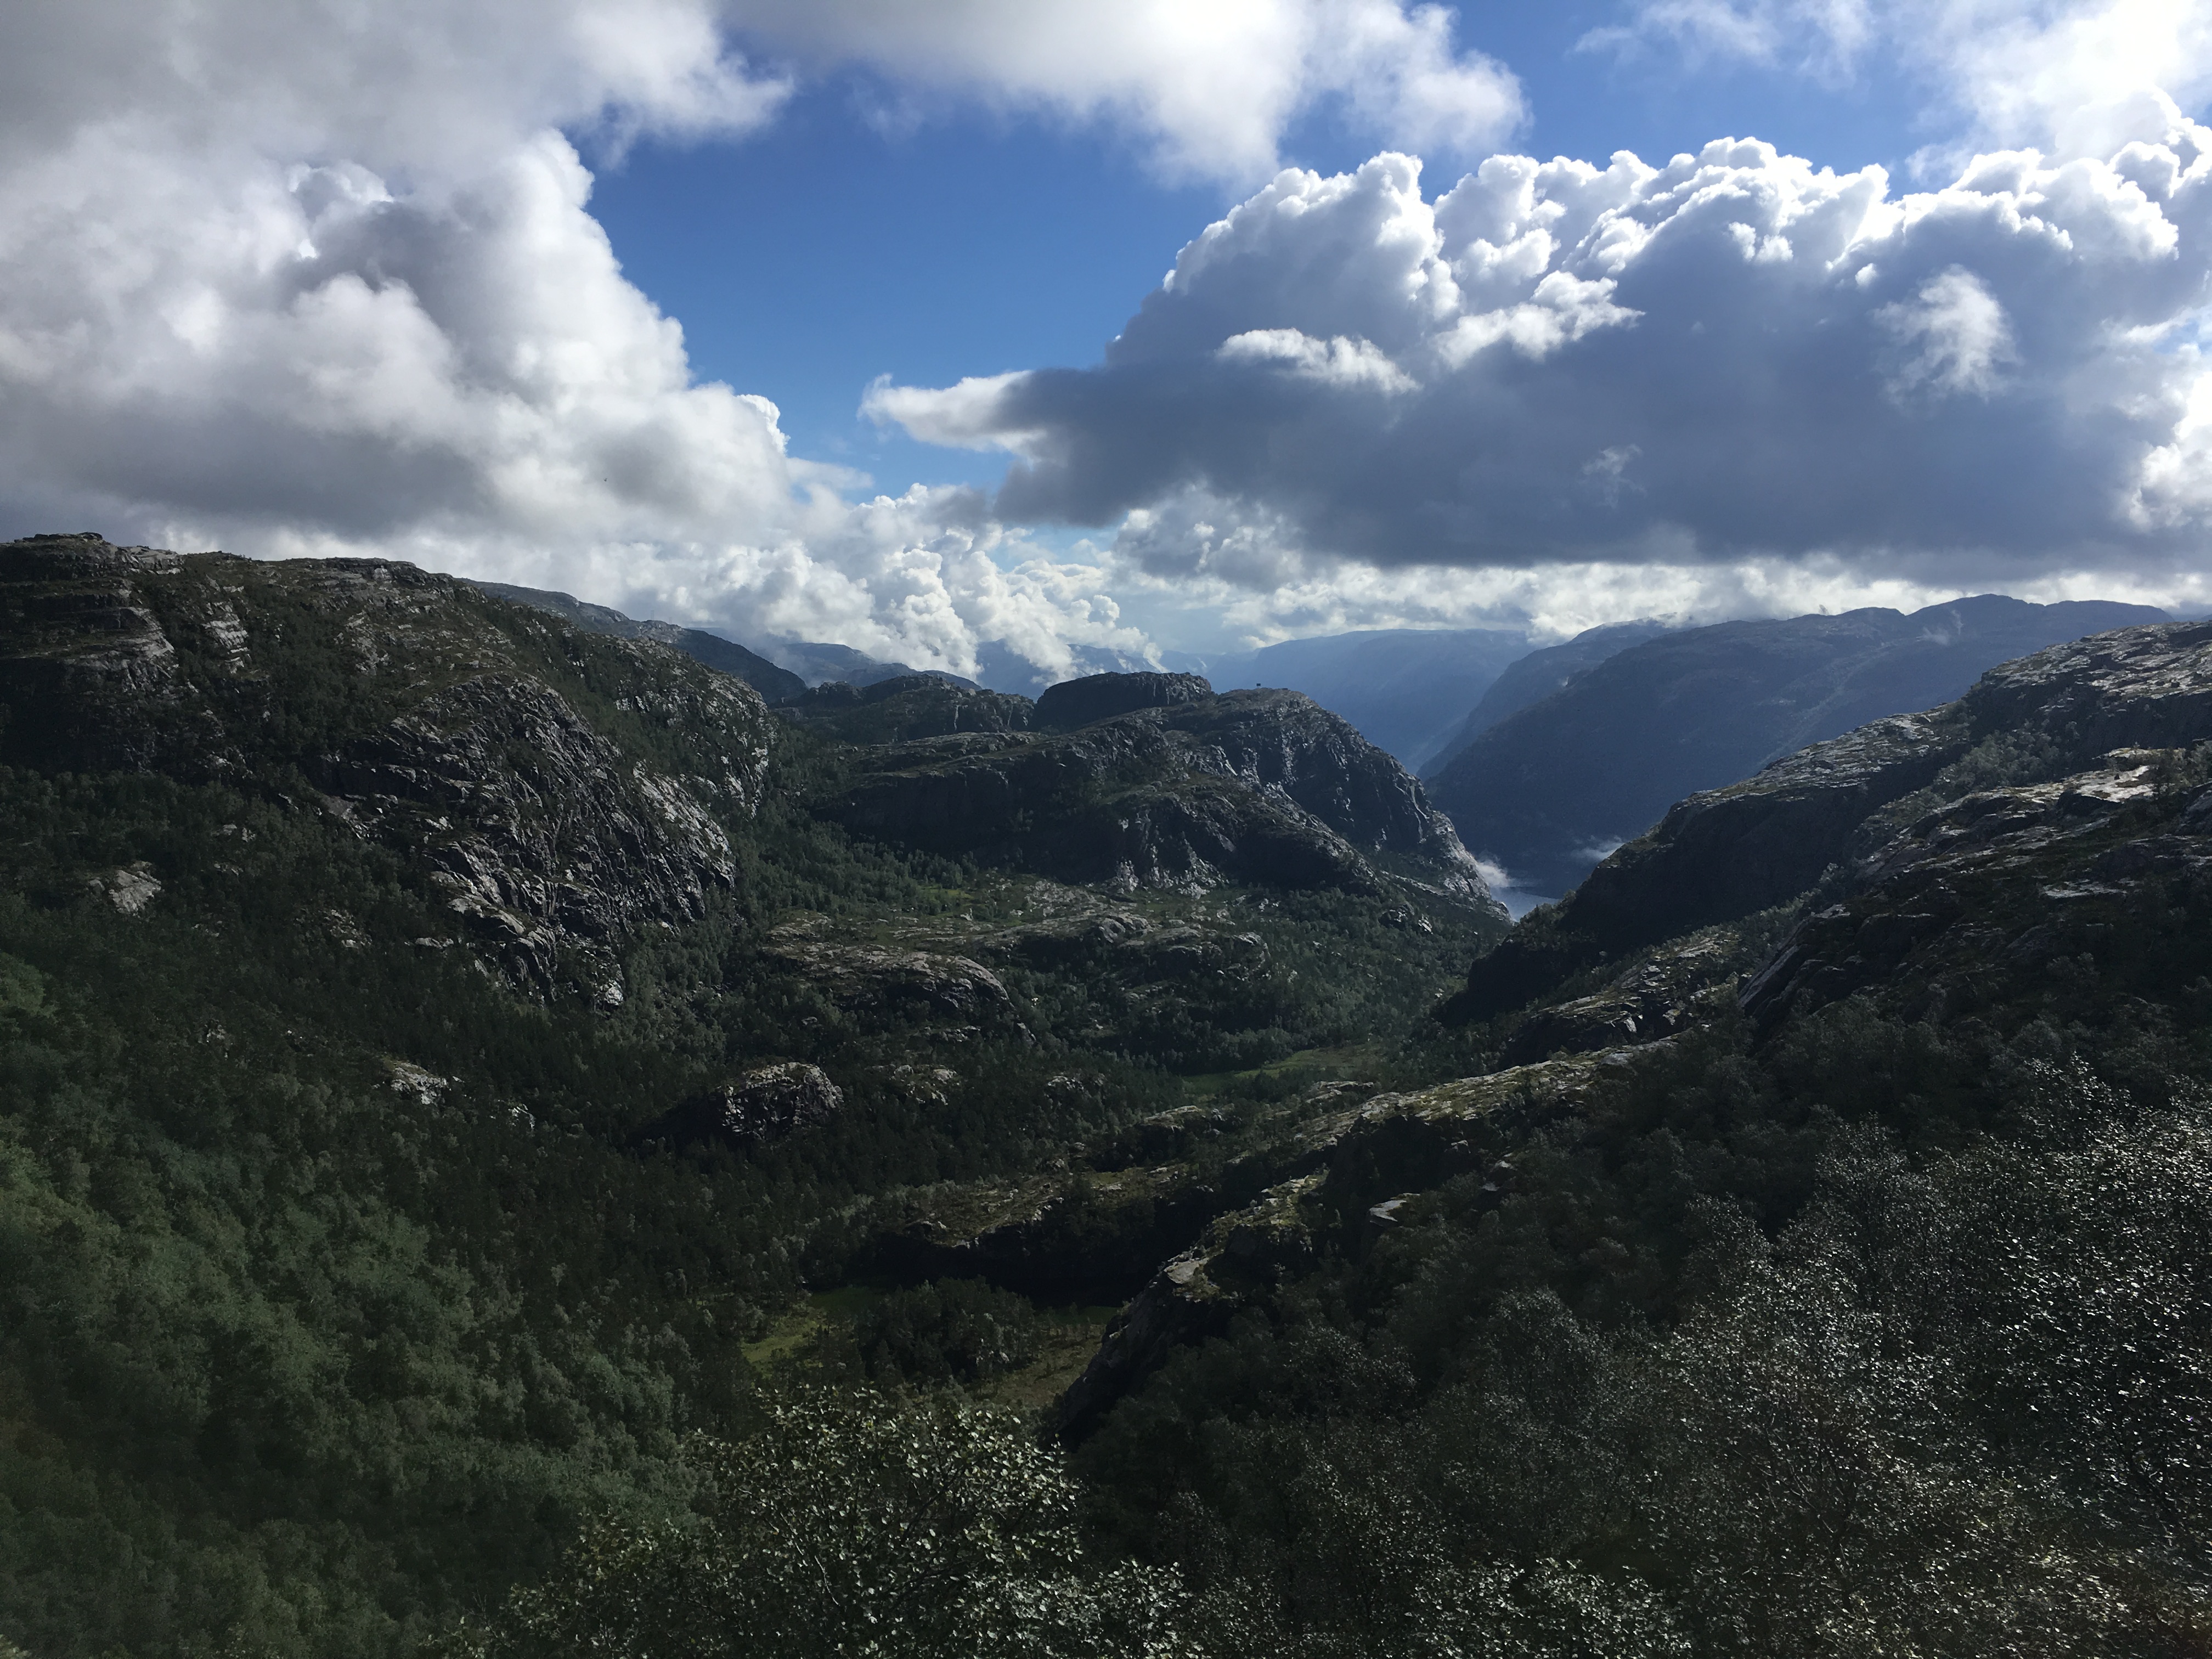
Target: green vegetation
<point>308,1354</point>
<point>366,1295</point>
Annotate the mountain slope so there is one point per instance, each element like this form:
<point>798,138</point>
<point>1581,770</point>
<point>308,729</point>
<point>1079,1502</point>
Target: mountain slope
<point>1727,853</point>
<point>1403,688</point>
<point>436,1040</point>
<point>1548,790</point>
<point>772,682</point>
<point>1154,781</point>
<point>1826,1279</point>
<point>1532,678</point>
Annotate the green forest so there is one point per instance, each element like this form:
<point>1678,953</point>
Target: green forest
<point>367,1295</point>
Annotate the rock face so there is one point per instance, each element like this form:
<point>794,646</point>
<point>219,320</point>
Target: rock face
<point>1733,851</point>
<point>1547,790</point>
<point>904,706</point>
<point>1325,1181</point>
<point>2006,883</point>
<point>1101,697</point>
<point>493,747</point>
<point>763,1104</point>
<point>1258,787</point>
<point>897,984</point>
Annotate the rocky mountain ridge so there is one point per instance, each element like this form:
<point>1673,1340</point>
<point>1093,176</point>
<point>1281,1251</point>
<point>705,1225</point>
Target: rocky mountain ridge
<point>1550,789</point>
<point>467,734</point>
<point>1153,781</point>
<point>1727,853</point>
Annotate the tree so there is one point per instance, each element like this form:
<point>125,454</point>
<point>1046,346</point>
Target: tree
<point>847,1526</point>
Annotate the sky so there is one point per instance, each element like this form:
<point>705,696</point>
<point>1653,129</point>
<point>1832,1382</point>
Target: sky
<point>1061,332</point>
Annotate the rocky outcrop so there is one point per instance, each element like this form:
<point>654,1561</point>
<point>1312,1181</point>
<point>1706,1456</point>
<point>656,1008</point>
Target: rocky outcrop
<point>1717,856</point>
<point>90,679</point>
<point>1654,999</point>
<point>1726,854</point>
<point>498,751</point>
<point>1330,1174</point>
<point>1102,696</point>
<point>904,706</point>
<point>545,836</point>
<point>1254,786</point>
<point>763,1104</point>
<point>899,984</point>
<point>1546,789</point>
<point>1988,895</point>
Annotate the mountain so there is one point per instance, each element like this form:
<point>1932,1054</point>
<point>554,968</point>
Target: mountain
<point>441,1041</point>
<point>1846,807</point>
<point>1532,678</point>
<point>1405,688</point>
<point>1793,1256</point>
<point>1147,780</point>
<point>1548,790</point>
<point>772,682</point>
<point>817,663</point>
<point>510,1147</point>
<point>780,670</point>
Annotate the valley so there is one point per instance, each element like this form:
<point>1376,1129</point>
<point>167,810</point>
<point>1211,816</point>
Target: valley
<point>513,1143</point>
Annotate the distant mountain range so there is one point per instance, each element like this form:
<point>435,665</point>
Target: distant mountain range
<point>1407,689</point>
<point>1549,789</point>
<point>771,681</point>
<point>782,669</point>
<point>1532,678</point>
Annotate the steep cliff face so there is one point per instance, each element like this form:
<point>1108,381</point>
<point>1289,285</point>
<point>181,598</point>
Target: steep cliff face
<point>1251,786</point>
<point>497,750</point>
<point>1991,894</point>
<point>1729,852</point>
<point>905,707</point>
<point>1547,790</point>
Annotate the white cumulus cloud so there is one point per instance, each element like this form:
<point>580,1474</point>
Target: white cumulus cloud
<point>2071,78</point>
<point>1735,357</point>
<point>1210,86</point>
<point>325,278</point>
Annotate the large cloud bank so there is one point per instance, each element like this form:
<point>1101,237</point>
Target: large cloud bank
<point>1733,357</point>
<point>326,279</point>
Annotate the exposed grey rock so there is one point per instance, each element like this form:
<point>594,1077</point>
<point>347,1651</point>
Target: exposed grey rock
<point>424,1086</point>
<point>906,706</point>
<point>454,744</point>
<point>130,890</point>
<point>545,835</point>
<point>1327,1178</point>
<point>1733,851</point>
<point>909,983</point>
<point>2001,881</point>
<point>1251,786</point>
<point>91,678</point>
<point>762,1104</point>
<point>1546,789</point>
<point>1648,1002</point>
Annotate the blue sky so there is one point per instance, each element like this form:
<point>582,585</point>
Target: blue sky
<point>837,246</point>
